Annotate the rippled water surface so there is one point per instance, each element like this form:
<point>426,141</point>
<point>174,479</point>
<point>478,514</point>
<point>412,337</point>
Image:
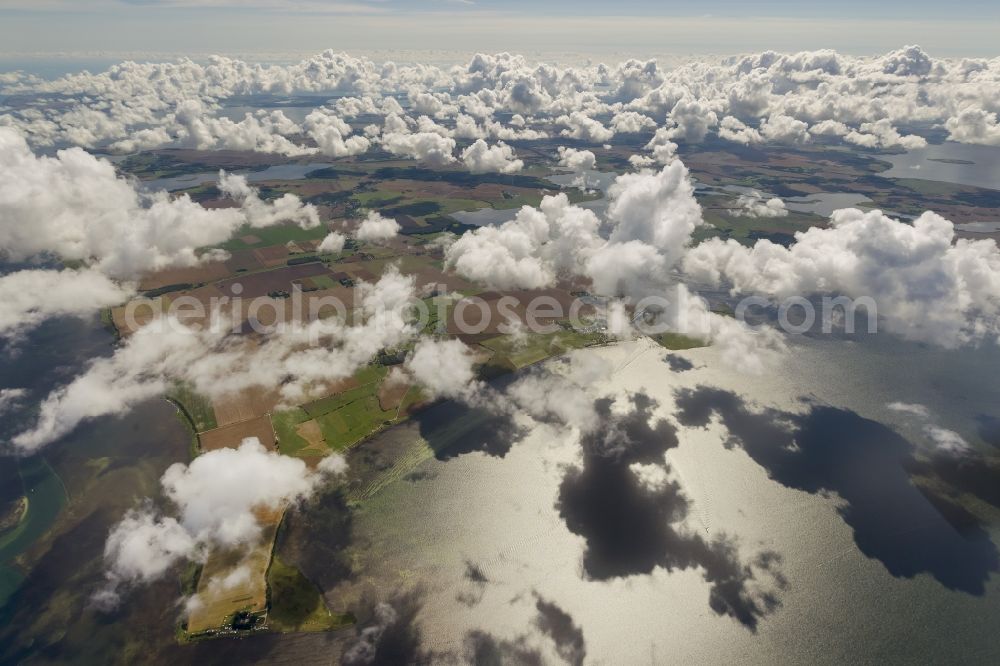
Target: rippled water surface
<point>866,567</point>
<point>950,162</point>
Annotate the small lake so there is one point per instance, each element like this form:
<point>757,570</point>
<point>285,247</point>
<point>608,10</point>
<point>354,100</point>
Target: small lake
<point>486,217</point>
<point>949,162</point>
<point>824,203</point>
<point>592,179</point>
<point>277,172</point>
<point>979,227</point>
<point>818,203</point>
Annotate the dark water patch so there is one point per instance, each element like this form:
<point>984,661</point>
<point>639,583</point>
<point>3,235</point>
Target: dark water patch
<point>550,623</point>
<point>49,356</point>
<point>632,437</point>
<point>558,625</point>
<point>474,573</point>
<point>106,465</point>
<point>830,450</point>
<point>989,429</point>
<point>418,475</point>
<point>632,527</point>
<point>388,633</point>
<point>302,649</point>
<point>678,363</point>
<point>957,516</point>
<point>382,460</point>
<point>46,498</point>
<point>11,488</point>
<point>625,523</point>
<point>44,359</point>
<point>49,616</point>
<point>453,429</point>
<point>475,580</point>
<point>316,537</point>
<point>968,472</point>
<point>485,649</point>
<point>472,430</point>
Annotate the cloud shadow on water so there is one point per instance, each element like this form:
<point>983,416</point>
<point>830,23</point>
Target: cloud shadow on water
<point>632,527</point>
<point>475,584</point>
<point>558,625</point>
<point>830,450</point>
<point>452,429</point>
<point>678,363</point>
<point>387,633</point>
<point>550,624</point>
<point>482,648</point>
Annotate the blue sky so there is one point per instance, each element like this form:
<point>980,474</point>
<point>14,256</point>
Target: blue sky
<point>531,26</point>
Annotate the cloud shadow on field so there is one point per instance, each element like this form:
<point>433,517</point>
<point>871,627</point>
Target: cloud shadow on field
<point>631,526</point>
<point>830,450</point>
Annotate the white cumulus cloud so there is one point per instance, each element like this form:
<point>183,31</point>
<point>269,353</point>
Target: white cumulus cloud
<point>480,157</point>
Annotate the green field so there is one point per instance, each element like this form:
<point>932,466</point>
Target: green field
<point>343,419</point>
<point>284,422</point>
<point>195,407</point>
<point>324,281</point>
<point>392,203</point>
<point>677,341</point>
<point>296,604</point>
<point>353,422</point>
<point>537,347</point>
<point>377,198</point>
<point>278,234</point>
